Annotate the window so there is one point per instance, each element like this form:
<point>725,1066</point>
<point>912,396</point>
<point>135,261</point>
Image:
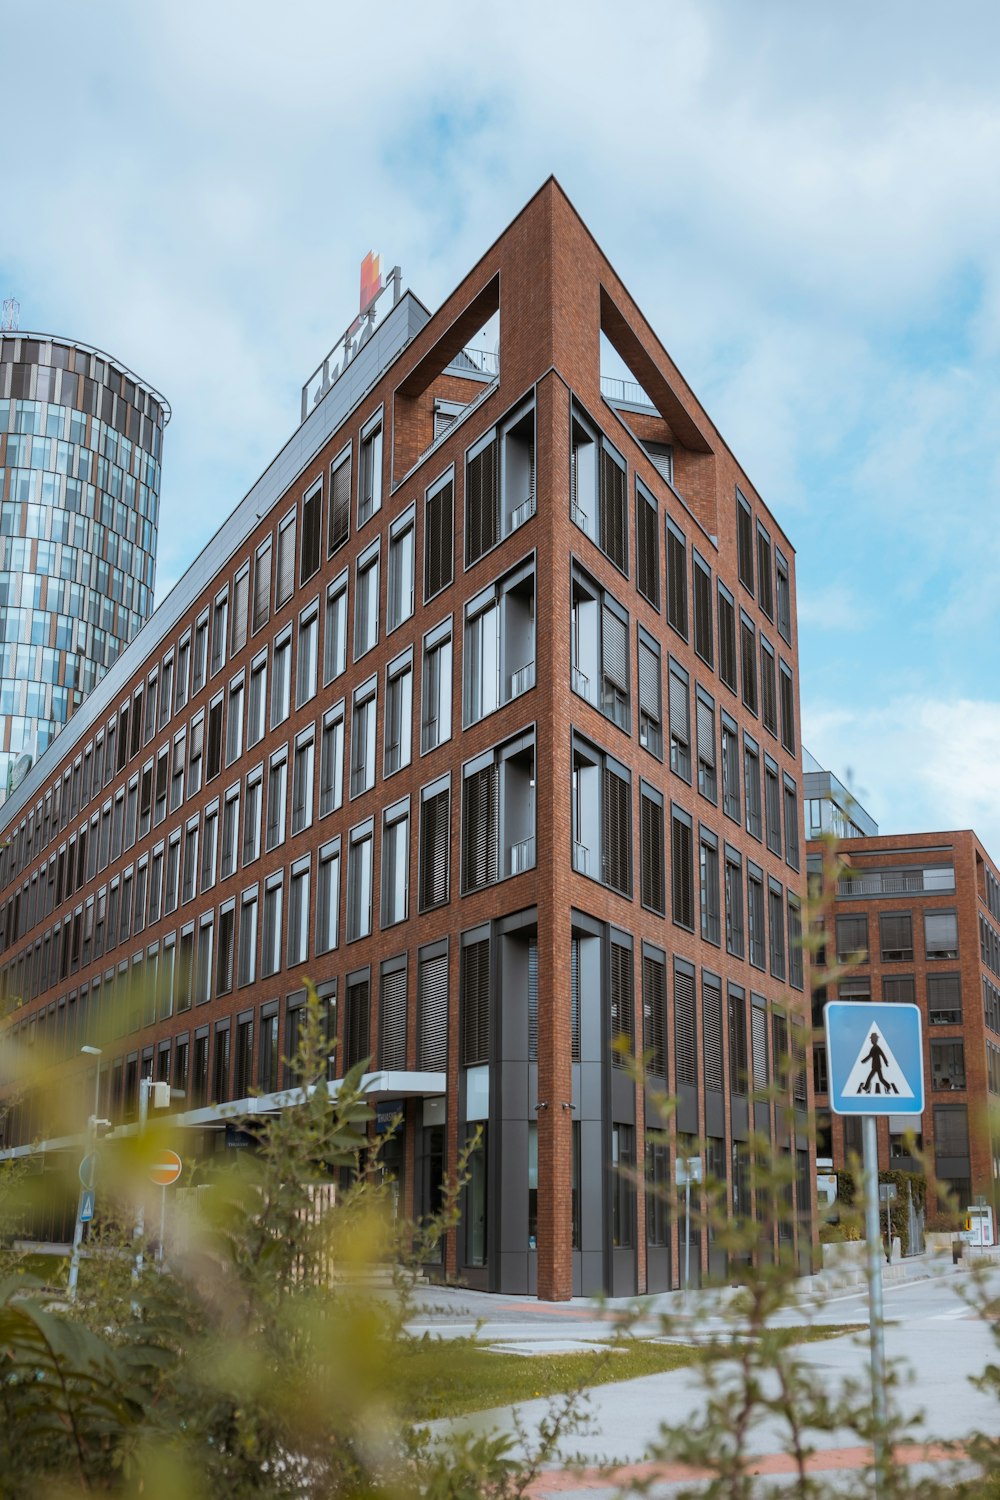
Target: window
<point>681,868</point>
<point>312,525</point>
<point>680,721</point>
<point>243,1062</point>
<point>940,934</point>
<point>651,855</point>
<point>435,723</point>
<point>395,863</point>
<point>200,663</point>
<point>257,707</point>
<point>601,790</point>
<point>748,662</point>
<point>944,999</point>
<point>366,601</point>
<point>439,547</point>
<point>727,638</point>
<point>948,1064</point>
<point>285,582</point>
<point>210,846</point>
<point>166,690</point>
<point>896,936</point>
<point>398,713</point>
<point>277,790</point>
<point>787,708</point>
<point>598,490</point>
<point>392,1014</point>
<point>177,771</point>
<point>730,769</point>
<point>247,953</point>
<point>772,806</point>
<point>274,892</point>
<point>654,1011</point>
<point>499,484</point>
<point>713,1039</point>
<point>281,682</point>
<point>269,1052</point>
<point>203,973</point>
<point>685,1025</point>
<point>359,881</point>
<point>363,737</point>
<point>650,695</point>
<point>230,832</point>
<point>647,545</point>
<point>220,631</point>
<point>708,855</point>
<point>498,813</point>
<point>765,587</point>
<point>335,629</point>
<point>226,952</point>
<point>852,939</point>
<point>776,927</point>
<point>331,760</point>
<point>298,912</point>
<point>303,779</point>
<point>262,586</point>
<point>213,758</point>
<point>768,688</point>
<point>734,903</point>
<point>599,649</point>
<point>677,600</point>
<point>744,540</point>
<point>755,914</point>
<point>784,597</point>
<point>306,658</point>
<point>339,525</point>
<point>702,579</point>
<point>499,650</point>
<point>370,470</point>
<point>241,603</point>
<point>155,886</point>
<point>328,898</point>
<point>435,844</point>
<point>189,878</point>
<point>399,601</point>
<point>705,727</point>
<point>738,1068</point>
<point>791,823</point>
<point>751,786</point>
<point>172,880</point>
<point>432,1007</point>
<point>795,964</point>
<point>622,999</point>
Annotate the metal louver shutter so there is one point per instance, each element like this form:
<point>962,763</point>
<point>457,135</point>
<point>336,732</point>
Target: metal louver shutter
<point>357,1023</point>
<point>711,1013</point>
<point>241,598</point>
<point>475,1017</point>
<point>622,1005</point>
<point>574,998</point>
<point>479,832</point>
<point>614,650</point>
<point>392,1021</point>
<point>617,795</point>
<point>647,559</point>
<point>768,702</point>
<point>680,726</point>
<point>613,510</point>
<point>533,999</point>
<point>649,682</point>
<point>312,520</point>
<point>654,1015</point>
<point>744,542</point>
<point>286,562</point>
<point>651,854</point>
<point>682,873</point>
<point>442,421</point>
<point>737,1044</point>
<point>749,666</point>
<point>438,545</point>
<point>434,851</point>
<point>706,733</point>
<point>727,642</point>
<point>481,502</point>
<point>340,505</point>
<point>262,588</point>
<point>677,609</point>
<point>703,614</point>
<point>432,1043</point>
<point>685,1035</point>
<point>758,1043</point>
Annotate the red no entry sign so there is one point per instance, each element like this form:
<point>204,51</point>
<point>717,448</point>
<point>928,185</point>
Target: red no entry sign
<point>165,1169</point>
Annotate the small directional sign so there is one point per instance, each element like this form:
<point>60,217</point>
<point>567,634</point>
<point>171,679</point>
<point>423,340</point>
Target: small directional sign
<point>86,1205</point>
<point>875,1057</point>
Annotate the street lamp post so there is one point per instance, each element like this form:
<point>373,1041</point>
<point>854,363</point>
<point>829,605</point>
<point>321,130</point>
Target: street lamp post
<point>91,1139</point>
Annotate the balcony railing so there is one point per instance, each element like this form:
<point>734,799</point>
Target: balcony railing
<point>522,680</point>
<point>521,856</point>
<point>581,858</point>
<point>580,517</point>
<point>624,390</point>
<point>581,682</point>
<point>895,883</point>
<point>524,512</point>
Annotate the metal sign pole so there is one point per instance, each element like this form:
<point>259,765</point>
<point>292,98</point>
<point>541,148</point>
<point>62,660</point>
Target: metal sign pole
<point>687,1227</point>
<point>163,1215</point>
<point>873,1235</point>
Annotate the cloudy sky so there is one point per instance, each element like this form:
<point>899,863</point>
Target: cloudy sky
<point>805,201</point>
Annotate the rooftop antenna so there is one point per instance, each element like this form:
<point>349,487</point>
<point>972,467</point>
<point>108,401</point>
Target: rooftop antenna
<point>11,316</point>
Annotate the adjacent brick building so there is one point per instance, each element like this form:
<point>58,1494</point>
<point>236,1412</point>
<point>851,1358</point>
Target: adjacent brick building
<point>480,710</point>
<point>915,918</point>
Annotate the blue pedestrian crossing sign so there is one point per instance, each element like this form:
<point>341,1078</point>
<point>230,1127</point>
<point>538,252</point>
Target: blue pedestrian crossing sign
<point>875,1058</point>
<point>86,1205</point>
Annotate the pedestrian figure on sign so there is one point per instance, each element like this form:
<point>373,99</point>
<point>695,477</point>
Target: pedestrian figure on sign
<point>877,1057</point>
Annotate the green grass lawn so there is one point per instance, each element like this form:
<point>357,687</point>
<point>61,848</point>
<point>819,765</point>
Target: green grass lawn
<point>449,1377</point>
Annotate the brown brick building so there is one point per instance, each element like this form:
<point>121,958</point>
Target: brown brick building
<point>480,710</point>
<point>919,915</point>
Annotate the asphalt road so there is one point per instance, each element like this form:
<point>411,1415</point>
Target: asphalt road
<point>935,1340</point>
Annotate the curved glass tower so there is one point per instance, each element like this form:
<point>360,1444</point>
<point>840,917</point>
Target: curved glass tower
<point>80,445</point>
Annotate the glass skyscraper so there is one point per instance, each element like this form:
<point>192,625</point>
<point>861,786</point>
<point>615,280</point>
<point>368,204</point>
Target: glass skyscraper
<point>80,447</point>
